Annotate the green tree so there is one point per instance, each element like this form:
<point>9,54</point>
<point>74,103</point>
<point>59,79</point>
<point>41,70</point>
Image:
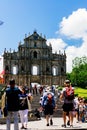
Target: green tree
<point>78,76</point>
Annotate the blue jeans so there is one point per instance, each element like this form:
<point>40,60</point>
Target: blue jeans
<point>14,115</point>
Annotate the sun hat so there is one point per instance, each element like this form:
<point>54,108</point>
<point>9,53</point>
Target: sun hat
<point>48,89</point>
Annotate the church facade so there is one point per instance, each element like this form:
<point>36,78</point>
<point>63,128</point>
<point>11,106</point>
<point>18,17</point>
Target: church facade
<point>34,62</point>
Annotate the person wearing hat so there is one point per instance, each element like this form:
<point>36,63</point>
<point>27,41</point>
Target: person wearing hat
<point>48,105</point>
<point>68,104</point>
<point>12,102</point>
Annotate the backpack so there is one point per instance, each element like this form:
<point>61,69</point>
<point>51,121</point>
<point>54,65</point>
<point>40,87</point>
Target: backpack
<point>69,93</point>
<point>49,98</point>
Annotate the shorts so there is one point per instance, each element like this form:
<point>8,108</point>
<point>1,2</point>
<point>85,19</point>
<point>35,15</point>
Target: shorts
<point>48,110</point>
<point>67,107</point>
<point>77,110</point>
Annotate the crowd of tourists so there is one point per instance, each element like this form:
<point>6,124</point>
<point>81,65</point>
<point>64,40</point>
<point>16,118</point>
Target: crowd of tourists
<point>16,102</point>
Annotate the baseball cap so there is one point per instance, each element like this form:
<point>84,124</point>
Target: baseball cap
<point>67,81</point>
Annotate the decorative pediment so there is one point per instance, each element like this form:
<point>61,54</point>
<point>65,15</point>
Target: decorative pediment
<point>35,36</point>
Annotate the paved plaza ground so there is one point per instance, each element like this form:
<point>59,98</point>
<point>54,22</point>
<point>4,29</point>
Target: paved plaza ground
<point>41,125</point>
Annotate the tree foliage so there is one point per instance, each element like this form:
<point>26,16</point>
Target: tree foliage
<point>78,76</point>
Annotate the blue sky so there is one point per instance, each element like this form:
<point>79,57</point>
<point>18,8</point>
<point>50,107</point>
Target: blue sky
<point>63,22</point>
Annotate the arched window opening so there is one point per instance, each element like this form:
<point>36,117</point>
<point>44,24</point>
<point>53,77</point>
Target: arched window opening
<point>35,54</point>
<point>14,70</point>
<point>22,69</point>
<point>6,68</point>
<point>35,45</point>
<point>54,71</point>
<point>62,70</point>
<point>47,69</point>
<point>35,70</point>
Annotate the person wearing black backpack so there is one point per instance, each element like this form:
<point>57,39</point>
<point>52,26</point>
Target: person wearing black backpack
<point>67,95</point>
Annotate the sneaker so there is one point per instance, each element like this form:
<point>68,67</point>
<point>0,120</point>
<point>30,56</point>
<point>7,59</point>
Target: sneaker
<point>51,122</point>
<point>22,127</point>
<point>68,123</point>
<point>64,125</point>
<point>47,124</point>
<point>77,122</point>
<point>71,126</point>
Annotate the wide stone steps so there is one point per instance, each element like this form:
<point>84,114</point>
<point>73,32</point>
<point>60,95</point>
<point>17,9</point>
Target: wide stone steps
<point>35,104</point>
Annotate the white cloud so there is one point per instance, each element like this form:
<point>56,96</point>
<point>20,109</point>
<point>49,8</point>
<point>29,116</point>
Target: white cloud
<point>57,44</point>
<point>75,27</point>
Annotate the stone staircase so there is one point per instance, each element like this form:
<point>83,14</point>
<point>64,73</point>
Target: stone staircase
<point>58,112</point>
<point>35,104</point>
